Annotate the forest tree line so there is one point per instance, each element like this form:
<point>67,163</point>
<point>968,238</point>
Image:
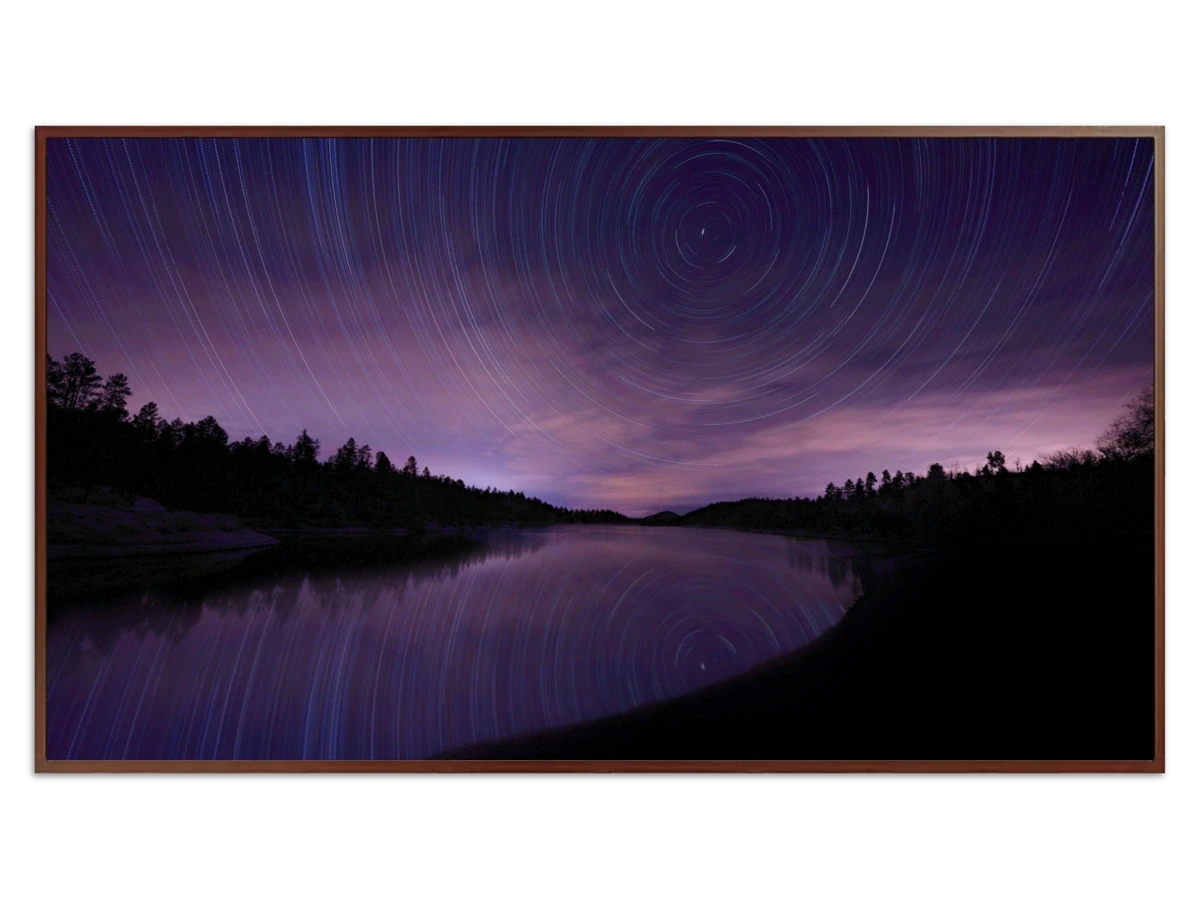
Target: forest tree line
<point>1103,494</point>
<point>93,441</point>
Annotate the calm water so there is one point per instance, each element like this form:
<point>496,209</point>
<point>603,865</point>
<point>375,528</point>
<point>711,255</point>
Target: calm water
<point>536,629</point>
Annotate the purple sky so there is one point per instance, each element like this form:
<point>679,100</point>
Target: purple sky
<point>636,324</point>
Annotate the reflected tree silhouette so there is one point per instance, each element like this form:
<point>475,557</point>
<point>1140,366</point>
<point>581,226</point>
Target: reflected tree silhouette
<point>534,628</point>
<point>843,566</point>
<point>272,577</point>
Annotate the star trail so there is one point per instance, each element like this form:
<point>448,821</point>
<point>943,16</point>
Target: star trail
<point>407,663</point>
<point>638,324</point>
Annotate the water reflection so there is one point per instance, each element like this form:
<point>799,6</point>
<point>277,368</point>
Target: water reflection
<point>839,563</point>
<point>534,629</point>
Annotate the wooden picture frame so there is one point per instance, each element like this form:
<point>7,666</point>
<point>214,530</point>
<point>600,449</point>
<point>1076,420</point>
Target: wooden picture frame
<point>49,132</point>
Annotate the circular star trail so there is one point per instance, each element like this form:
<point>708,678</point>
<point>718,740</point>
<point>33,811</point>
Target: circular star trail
<point>540,629</point>
<point>631,323</point>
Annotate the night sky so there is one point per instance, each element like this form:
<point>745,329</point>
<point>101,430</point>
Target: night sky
<point>637,324</point>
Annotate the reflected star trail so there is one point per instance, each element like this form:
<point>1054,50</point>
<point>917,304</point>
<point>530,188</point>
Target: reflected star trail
<point>540,629</point>
<point>638,324</point>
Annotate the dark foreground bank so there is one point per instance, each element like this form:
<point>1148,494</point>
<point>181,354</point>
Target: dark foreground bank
<point>1012,653</point>
<point>89,579</point>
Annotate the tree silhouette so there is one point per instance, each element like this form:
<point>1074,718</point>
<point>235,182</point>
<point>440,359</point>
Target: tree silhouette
<point>74,383</point>
<point>147,420</point>
<point>56,381</point>
<point>191,465</point>
<point>305,451</point>
<point>1131,436</point>
<point>92,441</point>
<point>170,433</point>
<point>362,460</point>
<point>114,394</point>
<point>383,465</point>
<point>1072,457</point>
<point>204,436</point>
<point>346,457</point>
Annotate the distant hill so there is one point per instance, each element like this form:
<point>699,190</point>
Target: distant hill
<point>659,518</point>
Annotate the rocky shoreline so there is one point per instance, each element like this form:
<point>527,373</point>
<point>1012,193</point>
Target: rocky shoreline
<point>141,527</point>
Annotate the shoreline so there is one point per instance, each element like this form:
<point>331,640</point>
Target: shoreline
<point>924,660</point>
<point>89,571</point>
<point>102,531</point>
<point>917,547</point>
<point>921,667</point>
<point>801,534</point>
<point>221,543</point>
<point>141,528</point>
<point>560,742</point>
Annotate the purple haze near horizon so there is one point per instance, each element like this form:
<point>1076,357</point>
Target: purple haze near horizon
<point>638,324</point>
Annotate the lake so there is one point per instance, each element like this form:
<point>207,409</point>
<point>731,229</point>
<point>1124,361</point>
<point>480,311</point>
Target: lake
<point>533,629</point>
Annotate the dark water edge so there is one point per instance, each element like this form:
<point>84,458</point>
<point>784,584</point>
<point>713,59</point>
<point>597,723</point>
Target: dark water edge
<point>1006,652</point>
<point>92,580</point>
<point>329,648</point>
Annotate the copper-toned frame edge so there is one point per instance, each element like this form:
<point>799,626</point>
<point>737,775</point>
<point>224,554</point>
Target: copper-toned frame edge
<point>563,766</point>
<point>39,452</point>
<point>42,764</point>
<point>598,131</point>
<point>1160,451</point>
